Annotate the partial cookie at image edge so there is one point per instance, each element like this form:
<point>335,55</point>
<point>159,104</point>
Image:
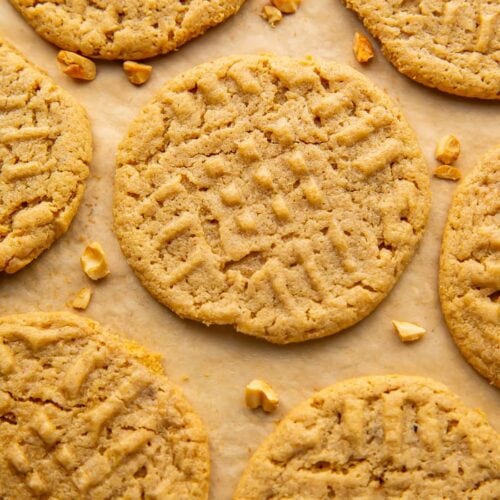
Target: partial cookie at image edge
<point>454,48</point>
<point>373,436</point>
<point>46,151</point>
<point>139,31</point>
<point>102,409</point>
<point>469,273</point>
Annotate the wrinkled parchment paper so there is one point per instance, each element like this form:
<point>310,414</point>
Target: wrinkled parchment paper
<point>213,364</point>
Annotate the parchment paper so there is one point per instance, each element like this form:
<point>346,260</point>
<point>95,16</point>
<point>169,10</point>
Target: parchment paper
<point>217,361</point>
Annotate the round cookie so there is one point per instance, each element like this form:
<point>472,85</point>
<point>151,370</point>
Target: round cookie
<point>281,196</point>
<point>86,414</point>
<point>377,437</point>
<point>469,274</point>
<point>45,150</point>
<point>450,45</point>
<point>113,29</point>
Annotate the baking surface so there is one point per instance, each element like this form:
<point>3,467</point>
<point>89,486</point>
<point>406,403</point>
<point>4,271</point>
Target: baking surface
<point>213,364</point>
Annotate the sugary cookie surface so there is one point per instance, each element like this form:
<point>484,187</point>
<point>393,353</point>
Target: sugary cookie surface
<point>281,196</point>
<point>45,149</point>
<point>113,29</point>
<point>469,276</point>
<point>452,45</point>
<point>85,414</point>
<point>377,437</point>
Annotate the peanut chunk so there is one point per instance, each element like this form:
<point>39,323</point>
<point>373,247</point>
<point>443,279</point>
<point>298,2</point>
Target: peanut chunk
<point>447,172</point>
<point>137,73</point>
<point>214,167</point>
<point>362,48</point>
<point>271,14</point>
<point>448,149</point>
<point>287,6</point>
<point>247,222</point>
<point>82,299</point>
<point>93,261</point>
<point>280,208</point>
<point>231,195</point>
<point>260,394</point>
<point>408,332</point>
<point>263,177</point>
<point>248,150</point>
<point>313,193</point>
<point>76,66</point>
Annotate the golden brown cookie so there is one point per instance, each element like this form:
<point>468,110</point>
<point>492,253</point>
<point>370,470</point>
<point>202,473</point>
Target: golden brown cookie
<point>282,196</point>
<point>45,150</point>
<point>469,275</point>
<point>113,29</point>
<point>86,414</point>
<point>452,45</point>
<point>377,437</point>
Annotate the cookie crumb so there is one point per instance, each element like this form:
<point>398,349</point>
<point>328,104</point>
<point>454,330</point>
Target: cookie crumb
<point>362,48</point>
<point>271,14</point>
<point>93,261</point>
<point>408,332</point>
<point>448,149</point>
<point>82,299</point>
<point>137,73</point>
<point>260,394</point>
<point>447,172</point>
<point>76,66</point>
<point>287,6</point>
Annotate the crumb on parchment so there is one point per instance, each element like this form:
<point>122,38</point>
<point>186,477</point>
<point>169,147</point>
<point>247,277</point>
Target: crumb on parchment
<point>260,394</point>
<point>408,332</point>
<point>76,66</point>
<point>93,261</point>
<point>362,48</point>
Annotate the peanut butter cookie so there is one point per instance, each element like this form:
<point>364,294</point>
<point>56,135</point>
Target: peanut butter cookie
<point>86,414</point>
<point>377,437</point>
<point>282,196</point>
<point>113,29</point>
<point>45,150</point>
<point>469,275</point>
<point>450,45</point>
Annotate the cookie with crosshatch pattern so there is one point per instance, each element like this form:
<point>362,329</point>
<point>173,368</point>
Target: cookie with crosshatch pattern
<point>281,196</point>
<point>87,414</point>
<point>469,272</point>
<point>386,436</point>
<point>45,150</point>
<point>450,45</point>
<point>114,29</point>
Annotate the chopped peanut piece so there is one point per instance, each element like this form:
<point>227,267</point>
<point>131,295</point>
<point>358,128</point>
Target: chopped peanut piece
<point>93,261</point>
<point>362,48</point>
<point>76,66</point>
<point>81,299</point>
<point>287,6</point>
<point>408,332</point>
<point>260,394</point>
<point>447,172</point>
<point>137,73</point>
<point>271,14</point>
<point>448,149</point>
